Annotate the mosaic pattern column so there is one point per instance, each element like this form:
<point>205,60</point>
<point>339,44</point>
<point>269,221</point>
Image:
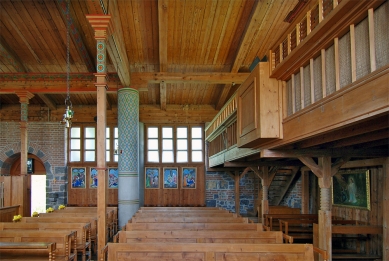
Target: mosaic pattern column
<point>128,125</point>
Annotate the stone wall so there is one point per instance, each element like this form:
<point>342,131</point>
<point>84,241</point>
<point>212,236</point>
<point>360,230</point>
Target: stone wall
<point>220,191</point>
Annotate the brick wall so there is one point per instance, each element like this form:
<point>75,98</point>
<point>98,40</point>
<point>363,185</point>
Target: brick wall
<point>46,140</point>
<point>220,191</point>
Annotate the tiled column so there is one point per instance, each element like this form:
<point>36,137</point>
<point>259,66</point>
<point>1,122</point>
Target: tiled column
<point>128,125</point>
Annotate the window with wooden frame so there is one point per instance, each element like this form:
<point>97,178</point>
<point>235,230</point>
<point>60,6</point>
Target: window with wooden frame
<point>82,144</point>
<point>174,144</point>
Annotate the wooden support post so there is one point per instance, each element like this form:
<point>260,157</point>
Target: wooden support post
<point>323,170</point>
<point>237,197</point>
<point>385,211</point>
<point>265,190</point>
<point>325,216</point>
<point>293,95</point>
<point>305,193</point>
<point>101,25</point>
<point>21,197</point>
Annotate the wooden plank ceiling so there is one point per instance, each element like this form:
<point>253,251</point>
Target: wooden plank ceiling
<point>175,52</point>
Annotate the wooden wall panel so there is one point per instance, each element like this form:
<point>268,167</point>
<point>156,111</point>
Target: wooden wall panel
<point>88,196</point>
<point>180,196</point>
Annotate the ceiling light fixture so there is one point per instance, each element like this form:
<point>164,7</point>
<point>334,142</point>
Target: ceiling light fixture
<point>68,115</point>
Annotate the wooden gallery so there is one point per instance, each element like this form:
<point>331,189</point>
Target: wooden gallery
<point>194,130</point>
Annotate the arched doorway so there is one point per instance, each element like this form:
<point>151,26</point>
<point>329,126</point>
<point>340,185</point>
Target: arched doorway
<point>36,184</point>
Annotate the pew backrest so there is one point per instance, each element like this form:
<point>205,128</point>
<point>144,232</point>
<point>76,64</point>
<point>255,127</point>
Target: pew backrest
<point>193,226</point>
<point>209,252</point>
<point>201,236</point>
<point>174,219</point>
<point>62,239</point>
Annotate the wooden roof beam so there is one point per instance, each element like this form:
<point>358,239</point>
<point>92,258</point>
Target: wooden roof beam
<point>244,47</point>
<point>49,102</point>
<point>143,78</point>
<point>162,27</point>
<point>162,93</point>
<point>76,37</point>
<point>11,57</point>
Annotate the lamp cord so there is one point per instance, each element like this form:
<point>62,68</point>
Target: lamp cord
<point>67,100</point>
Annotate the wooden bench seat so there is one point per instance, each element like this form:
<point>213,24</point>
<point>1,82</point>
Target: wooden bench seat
<point>65,251</point>
<point>34,251</point>
<point>192,226</point>
<point>91,220</point>
<point>180,208</point>
<point>111,211</point>
<point>208,252</point>
<point>187,214</point>
<point>172,211</point>
<point>351,230</point>
<point>109,217</point>
<point>201,236</point>
<point>271,221</point>
<point>355,257</point>
<point>297,229</point>
<point>193,219</point>
<point>83,240</point>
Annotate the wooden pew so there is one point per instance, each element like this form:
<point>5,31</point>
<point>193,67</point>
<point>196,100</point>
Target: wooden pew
<point>112,212</point>
<point>83,240</point>
<point>8,213</point>
<point>193,219</point>
<point>271,221</point>
<point>297,229</point>
<point>278,210</point>
<point>64,250</point>
<point>192,226</point>
<point>209,252</point>
<point>187,214</point>
<point>109,217</point>
<point>200,236</point>
<point>181,208</point>
<point>357,230</point>
<point>91,220</point>
<point>32,250</point>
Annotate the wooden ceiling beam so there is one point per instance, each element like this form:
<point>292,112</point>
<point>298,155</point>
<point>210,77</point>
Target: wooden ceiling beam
<point>11,57</point>
<point>76,36</point>
<point>143,78</point>
<point>56,88</point>
<point>258,15</point>
<point>162,93</point>
<point>116,47</point>
<point>49,102</point>
<point>162,29</point>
